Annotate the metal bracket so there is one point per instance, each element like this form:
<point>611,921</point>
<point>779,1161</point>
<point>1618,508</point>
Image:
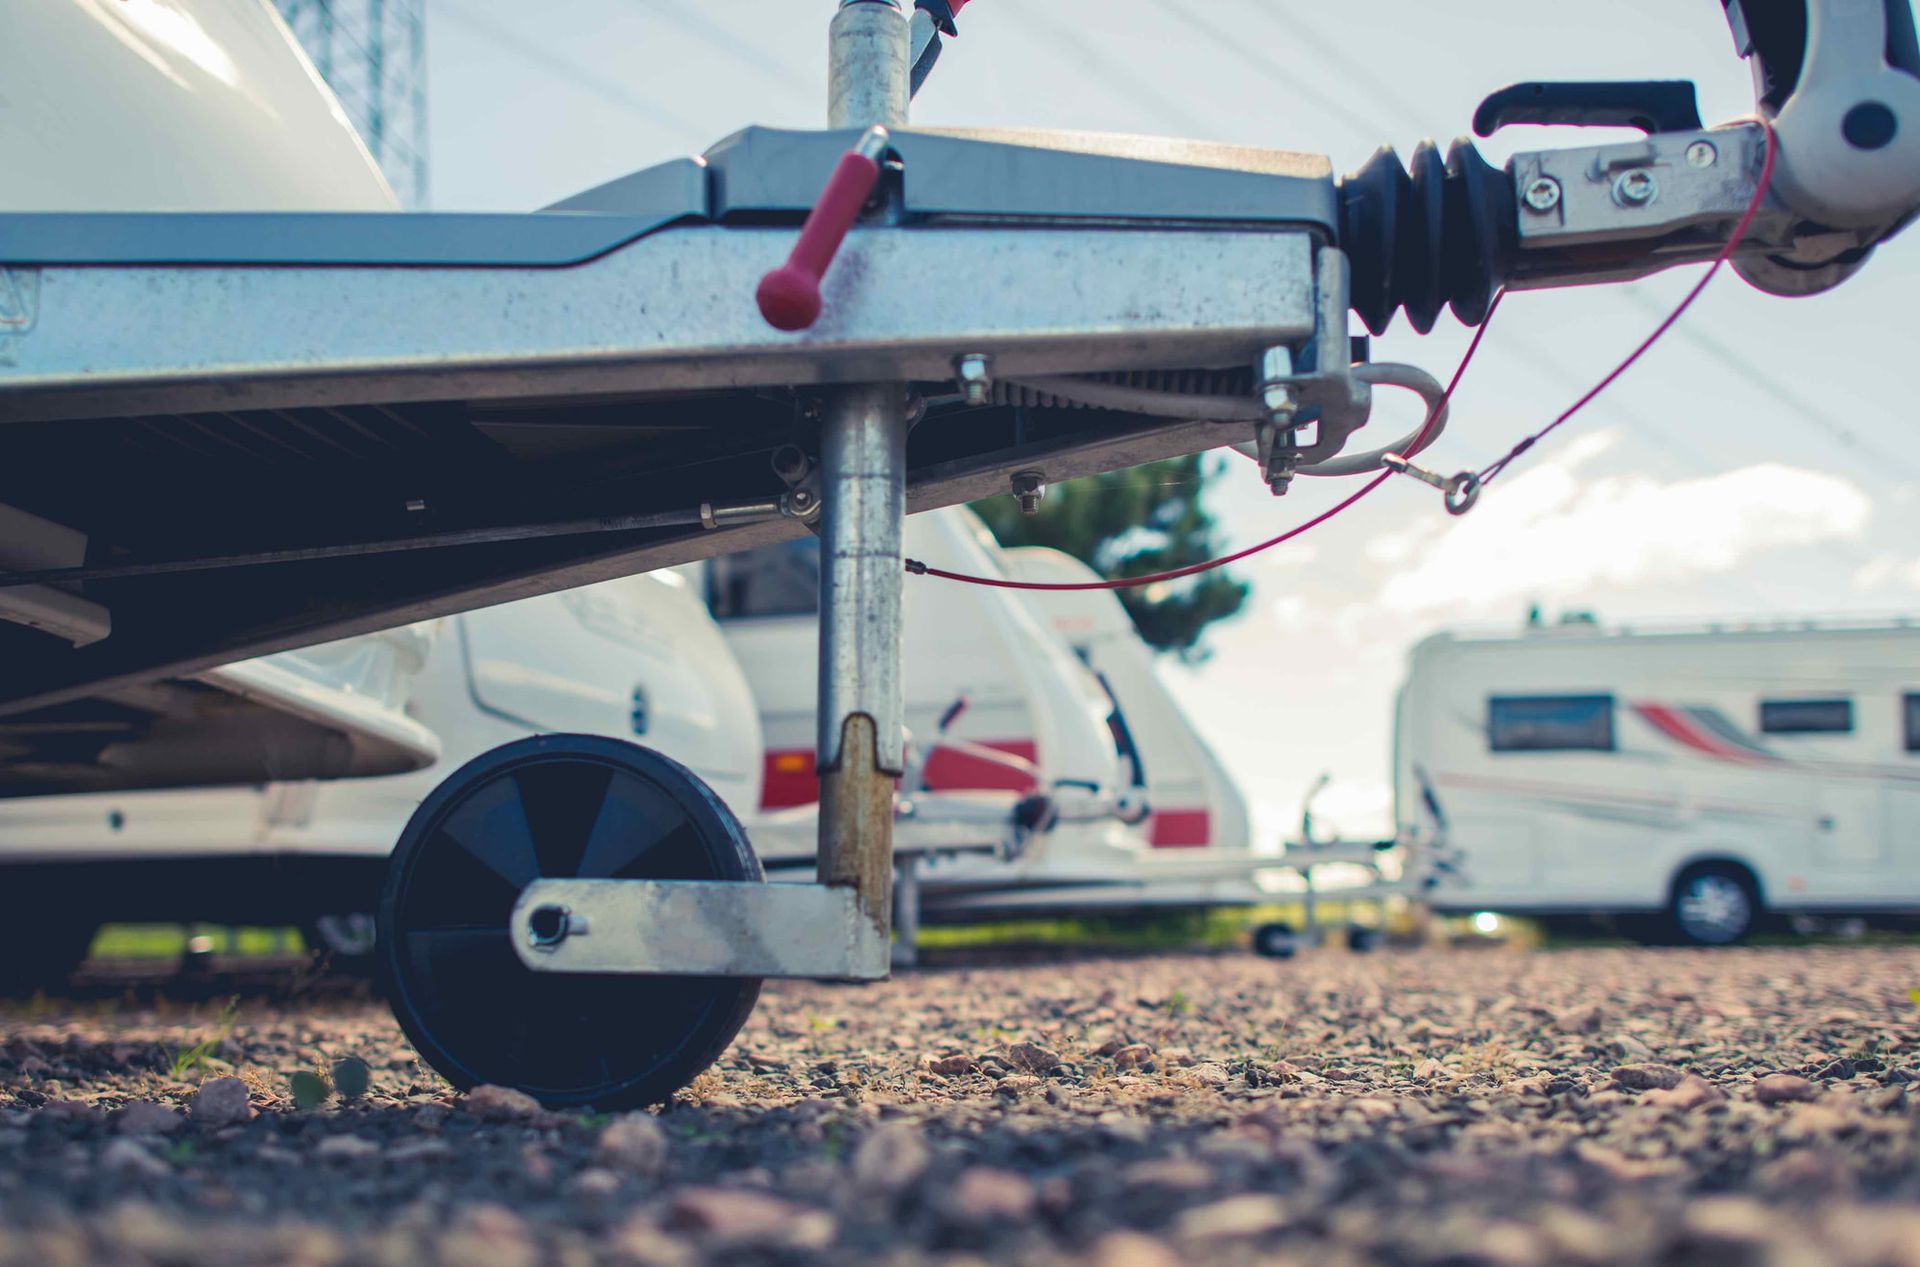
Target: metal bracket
<point>1328,395</point>
<point>697,928</point>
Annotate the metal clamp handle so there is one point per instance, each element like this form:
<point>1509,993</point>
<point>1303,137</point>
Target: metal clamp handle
<point>789,296</point>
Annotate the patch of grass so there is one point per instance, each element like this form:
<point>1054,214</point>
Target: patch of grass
<point>192,1059</point>
<point>169,941</point>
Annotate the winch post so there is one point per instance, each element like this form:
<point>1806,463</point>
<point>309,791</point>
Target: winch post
<point>860,746</point>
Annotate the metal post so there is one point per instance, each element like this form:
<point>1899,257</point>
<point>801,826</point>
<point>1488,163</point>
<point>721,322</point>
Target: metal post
<point>863,477</point>
<point>906,914</point>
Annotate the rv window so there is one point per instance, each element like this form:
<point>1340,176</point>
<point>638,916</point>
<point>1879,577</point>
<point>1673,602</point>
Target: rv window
<point>1806,716</point>
<point>1550,723</point>
<point>1912,710</point>
<point>776,580</point>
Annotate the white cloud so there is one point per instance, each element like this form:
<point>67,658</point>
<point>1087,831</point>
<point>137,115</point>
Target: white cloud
<point>1553,532</point>
<point>1888,571</point>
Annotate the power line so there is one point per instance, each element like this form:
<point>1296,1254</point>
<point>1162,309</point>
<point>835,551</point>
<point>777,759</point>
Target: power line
<point>717,37</point>
<point>1783,392</point>
<point>566,68</point>
<point>1103,65</point>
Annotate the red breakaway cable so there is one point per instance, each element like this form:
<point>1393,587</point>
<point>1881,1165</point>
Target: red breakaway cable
<point>1726,252</point>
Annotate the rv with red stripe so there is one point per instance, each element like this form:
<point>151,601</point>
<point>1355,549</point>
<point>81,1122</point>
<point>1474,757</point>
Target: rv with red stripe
<point>1687,783</point>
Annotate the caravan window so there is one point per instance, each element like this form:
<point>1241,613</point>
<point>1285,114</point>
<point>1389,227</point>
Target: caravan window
<point>1806,716</point>
<point>1911,707</point>
<point>776,580</point>
<point>1550,723</point>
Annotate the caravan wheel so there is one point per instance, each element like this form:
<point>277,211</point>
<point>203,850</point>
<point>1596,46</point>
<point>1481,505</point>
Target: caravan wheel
<point>1713,905</point>
<point>578,806</point>
<point>1275,940</point>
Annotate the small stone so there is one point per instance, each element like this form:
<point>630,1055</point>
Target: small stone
<point>642,1243</point>
<point>490,1103</point>
<point>1784,1088</point>
<point>594,1181</point>
<point>419,1150</point>
<point>220,1102</point>
<point>76,1111</point>
<point>633,1142</point>
<point>1808,1172</point>
<point>1586,1019</point>
<point>143,1117</point>
<point>1691,1092</point>
<point>1168,1174</point>
<point>1033,1058</point>
<point>1207,1074</point>
<point>1232,1219</point>
<point>733,1217</point>
<point>489,1234</point>
<point>128,1157</point>
<point>1632,1047</point>
<point>1017,1084</point>
<point>1647,1077</point>
<point>1133,1056</point>
<point>346,1148</point>
<point>890,1160</point>
<point>951,1066</point>
<point>1131,1249</point>
<point>985,1195</point>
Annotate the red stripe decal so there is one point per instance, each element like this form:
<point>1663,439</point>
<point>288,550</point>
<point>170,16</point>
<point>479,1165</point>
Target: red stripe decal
<point>1684,730</point>
<point>1180,829</point>
<point>788,778</point>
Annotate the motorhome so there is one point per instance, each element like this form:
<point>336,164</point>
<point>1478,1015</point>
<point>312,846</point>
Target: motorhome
<point>1687,782</point>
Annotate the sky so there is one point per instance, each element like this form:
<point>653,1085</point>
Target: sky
<point>1761,462</point>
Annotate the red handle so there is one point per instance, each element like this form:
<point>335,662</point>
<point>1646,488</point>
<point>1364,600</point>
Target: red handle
<point>789,296</point>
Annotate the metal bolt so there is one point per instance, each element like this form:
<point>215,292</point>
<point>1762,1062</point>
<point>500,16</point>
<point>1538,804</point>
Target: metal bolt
<point>1635,188</point>
<point>548,926</point>
<point>1029,489</point>
<point>1701,154</point>
<point>1543,194</point>
<point>791,463</point>
<point>975,374</point>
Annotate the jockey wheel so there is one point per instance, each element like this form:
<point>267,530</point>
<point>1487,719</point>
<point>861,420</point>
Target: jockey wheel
<point>571,806</point>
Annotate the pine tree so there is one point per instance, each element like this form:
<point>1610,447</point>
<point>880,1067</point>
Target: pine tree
<point>1129,523</point>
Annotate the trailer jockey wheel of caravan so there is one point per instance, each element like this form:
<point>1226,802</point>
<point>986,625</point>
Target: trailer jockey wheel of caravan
<point>569,807</point>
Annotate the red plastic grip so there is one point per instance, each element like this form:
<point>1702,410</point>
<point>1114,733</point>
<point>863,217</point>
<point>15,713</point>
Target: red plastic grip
<point>789,296</point>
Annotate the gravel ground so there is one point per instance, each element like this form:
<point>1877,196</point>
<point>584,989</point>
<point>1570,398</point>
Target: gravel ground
<point>1590,1106</point>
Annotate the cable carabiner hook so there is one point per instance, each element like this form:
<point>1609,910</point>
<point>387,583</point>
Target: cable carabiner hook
<point>1460,491</point>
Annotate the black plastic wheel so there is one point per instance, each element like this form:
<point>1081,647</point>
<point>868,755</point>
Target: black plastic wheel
<point>557,806</point>
<point>1361,939</point>
<point>1275,940</point>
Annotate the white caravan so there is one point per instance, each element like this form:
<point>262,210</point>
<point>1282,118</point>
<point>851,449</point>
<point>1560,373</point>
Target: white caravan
<point>1045,704</point>
<point>1687,781</point>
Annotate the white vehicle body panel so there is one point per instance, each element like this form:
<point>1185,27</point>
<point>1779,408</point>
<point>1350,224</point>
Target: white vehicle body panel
<point>1195,802</point>
<point>1693,770</point>
<point>166,105</point>
<point>574,661</point>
